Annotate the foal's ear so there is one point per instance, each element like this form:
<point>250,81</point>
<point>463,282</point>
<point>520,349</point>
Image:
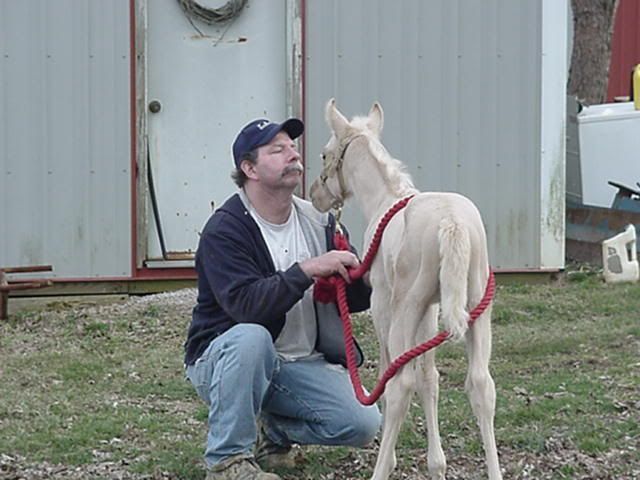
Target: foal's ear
<point>336,121</point>
<point>376,119</point>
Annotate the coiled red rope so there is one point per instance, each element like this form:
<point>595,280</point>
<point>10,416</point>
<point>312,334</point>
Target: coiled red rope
<point>339,286</point>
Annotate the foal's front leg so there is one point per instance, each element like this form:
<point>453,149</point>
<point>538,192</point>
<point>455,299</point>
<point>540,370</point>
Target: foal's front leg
<point>397,393</point>
<point>397,397</point>
<point>381,315</point>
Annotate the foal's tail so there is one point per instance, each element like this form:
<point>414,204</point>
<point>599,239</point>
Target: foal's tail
<point>455,255</point>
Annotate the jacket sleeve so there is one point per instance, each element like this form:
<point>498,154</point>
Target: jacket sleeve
<point>240,287</point>
<point>358,296</point>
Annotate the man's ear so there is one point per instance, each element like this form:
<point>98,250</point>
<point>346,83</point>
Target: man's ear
<point>248,168</point>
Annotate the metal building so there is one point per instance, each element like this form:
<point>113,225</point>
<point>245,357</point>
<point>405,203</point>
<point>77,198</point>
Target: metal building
<point>65,136</point>
<point>97,94</point>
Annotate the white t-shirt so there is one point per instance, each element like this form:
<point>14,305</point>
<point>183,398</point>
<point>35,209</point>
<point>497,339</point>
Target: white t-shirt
<point>287,245</point>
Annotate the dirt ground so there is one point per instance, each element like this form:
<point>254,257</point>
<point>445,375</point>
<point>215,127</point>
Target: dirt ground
<point>555,463</point>
<point>528,467</point>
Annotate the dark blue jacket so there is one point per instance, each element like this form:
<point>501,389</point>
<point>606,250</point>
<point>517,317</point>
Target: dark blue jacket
<point>237,281</point>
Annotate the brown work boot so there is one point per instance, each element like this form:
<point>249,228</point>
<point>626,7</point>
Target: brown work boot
<point>269,454</point>
<point>239,467</point>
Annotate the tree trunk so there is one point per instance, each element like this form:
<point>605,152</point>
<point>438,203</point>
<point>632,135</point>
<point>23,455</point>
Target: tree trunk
<point>593,27</point>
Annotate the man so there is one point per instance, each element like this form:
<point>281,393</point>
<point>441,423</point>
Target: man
<point>267,359</point>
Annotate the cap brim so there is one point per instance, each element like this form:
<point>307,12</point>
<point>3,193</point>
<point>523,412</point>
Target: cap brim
<point>293,127</point>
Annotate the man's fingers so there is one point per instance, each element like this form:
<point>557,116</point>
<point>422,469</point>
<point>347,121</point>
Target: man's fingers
<point>331,263</point>
<point>343,272</point>
<point>348,259</point>
<point>352,261</point>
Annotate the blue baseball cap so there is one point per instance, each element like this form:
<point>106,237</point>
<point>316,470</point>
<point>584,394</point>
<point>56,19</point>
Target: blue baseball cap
<point>260,132</point>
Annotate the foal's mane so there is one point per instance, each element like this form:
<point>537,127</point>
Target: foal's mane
<point>393,170</point>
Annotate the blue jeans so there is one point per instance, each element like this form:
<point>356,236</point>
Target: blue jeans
<point>241,378</point>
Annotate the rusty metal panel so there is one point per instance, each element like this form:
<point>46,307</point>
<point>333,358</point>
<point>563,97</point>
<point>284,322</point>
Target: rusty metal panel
<point>65,136</point>
<point>468,88</point>
<point>588,226</point>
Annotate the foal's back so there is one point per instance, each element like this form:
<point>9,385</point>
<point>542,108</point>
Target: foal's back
<point>414,233</point>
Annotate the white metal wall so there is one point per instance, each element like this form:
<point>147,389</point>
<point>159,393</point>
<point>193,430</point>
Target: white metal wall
<point>473,93</point>
<point>65,136</point>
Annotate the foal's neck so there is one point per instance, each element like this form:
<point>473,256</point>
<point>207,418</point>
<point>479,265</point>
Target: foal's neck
<point>369,184</point>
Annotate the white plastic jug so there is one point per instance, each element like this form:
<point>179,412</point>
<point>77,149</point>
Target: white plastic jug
<point>619,257</point>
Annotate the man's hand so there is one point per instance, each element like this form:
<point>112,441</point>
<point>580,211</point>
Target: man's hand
<point>335,261</point>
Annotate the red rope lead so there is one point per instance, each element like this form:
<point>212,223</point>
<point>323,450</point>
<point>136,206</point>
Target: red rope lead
<point>329,289</point>
<point>347,331</point>
<point>377,238</point>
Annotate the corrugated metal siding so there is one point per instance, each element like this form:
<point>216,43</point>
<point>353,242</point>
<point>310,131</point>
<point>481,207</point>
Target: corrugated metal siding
<point>459,82</point>
<point>65,136</point>
<point>625,48</point>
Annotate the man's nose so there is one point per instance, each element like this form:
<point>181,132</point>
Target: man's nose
<point>294,154</point>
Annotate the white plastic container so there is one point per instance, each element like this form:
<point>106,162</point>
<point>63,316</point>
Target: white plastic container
<point>609,148</point>
<point>619,257</point>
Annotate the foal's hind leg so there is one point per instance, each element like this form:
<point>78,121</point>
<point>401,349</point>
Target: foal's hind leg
<point>427,378</point>
<point>481,389</point>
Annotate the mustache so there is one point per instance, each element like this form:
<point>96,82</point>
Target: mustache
<point>296,167</point>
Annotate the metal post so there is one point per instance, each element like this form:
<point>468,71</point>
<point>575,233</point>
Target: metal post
<point>4,296</point>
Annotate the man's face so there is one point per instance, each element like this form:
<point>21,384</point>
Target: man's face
<point>278,164</point>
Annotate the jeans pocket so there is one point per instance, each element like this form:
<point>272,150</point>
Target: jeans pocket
<point>200,375</point>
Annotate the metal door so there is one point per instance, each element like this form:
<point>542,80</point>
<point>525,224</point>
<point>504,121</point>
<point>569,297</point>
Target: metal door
<point>203,84</point>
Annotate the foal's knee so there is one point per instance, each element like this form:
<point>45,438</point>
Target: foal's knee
<point>430,376</point>
<point>481,390</point>
<point>479,381</point>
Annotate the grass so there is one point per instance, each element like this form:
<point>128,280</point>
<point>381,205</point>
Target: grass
<point>102,389</point>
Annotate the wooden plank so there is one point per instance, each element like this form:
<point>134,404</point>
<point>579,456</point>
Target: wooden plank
<point>27,285</point>
<point>78,288</point>
<point>28,269</point>
<point>124,287</point>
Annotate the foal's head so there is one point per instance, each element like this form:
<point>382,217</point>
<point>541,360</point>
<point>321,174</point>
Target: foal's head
<point>331,189</point>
